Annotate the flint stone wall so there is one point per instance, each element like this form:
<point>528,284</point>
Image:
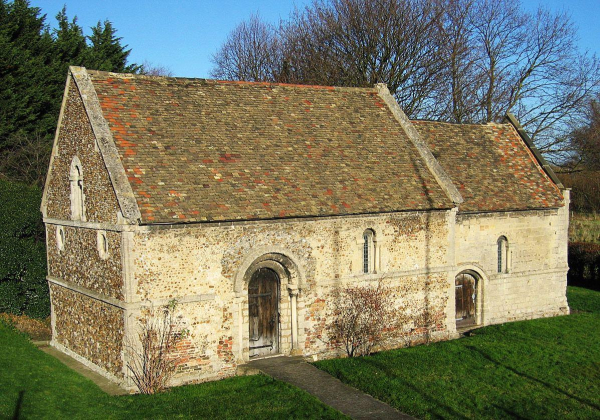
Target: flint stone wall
<point>81,263</point>
<point>88,327</point>
<point>201,266</point>
<point>76,138</point>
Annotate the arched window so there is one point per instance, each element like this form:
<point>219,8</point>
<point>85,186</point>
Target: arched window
<point>76,181</point>
<point>369,251</point>
<point>60,238</point>
<point>102,245</point>
<point>502,254</point>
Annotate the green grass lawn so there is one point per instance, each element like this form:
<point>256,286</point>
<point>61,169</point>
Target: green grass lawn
<point>48,389</point>
<point>544,368</point>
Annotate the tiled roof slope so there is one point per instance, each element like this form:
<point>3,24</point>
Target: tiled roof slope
<point>198,150</point>
<point>491,166</point>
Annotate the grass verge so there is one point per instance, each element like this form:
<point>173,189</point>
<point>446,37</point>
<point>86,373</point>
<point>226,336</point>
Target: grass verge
<point>35,385</point>
<point>544,368</point>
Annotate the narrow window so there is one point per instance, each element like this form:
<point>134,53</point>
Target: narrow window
<point>368,251</point>
<point>102,245</point>
<point>60,238</point>
<point>502,254</point>
<point>76,181</point>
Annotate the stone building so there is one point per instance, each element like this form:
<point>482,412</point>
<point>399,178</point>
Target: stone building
<point>251,203</point>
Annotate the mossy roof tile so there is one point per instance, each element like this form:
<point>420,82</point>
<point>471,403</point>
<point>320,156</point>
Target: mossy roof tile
<point>201,150</point>
<point>491,166</point>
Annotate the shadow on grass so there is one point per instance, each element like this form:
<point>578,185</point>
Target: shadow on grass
<point>533,379</point>
<point>17,414</point>
<point>509,413</point>
<point>439,408</point>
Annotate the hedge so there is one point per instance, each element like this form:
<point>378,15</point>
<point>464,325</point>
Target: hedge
<point>584,263</point>
<point>23,286</point>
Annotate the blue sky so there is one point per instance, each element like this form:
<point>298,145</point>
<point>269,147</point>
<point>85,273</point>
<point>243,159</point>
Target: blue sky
<point>183,35</point>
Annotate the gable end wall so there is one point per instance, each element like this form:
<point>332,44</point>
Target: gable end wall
<point>82,281</point>
<point>76,138</point>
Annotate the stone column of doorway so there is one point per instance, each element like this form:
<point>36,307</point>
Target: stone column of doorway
<point>293,290</point>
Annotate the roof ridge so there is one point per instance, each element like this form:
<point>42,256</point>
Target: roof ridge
<point>440,175</point>
<point>418,121</point>
<point>108,74</point>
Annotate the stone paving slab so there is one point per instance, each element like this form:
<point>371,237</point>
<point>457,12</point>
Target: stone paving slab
<point>330,390</point>
<point>103,383</point>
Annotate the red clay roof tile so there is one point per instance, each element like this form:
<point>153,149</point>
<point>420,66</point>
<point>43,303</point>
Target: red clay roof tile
<point>245,144</point>
<point>491,165</point>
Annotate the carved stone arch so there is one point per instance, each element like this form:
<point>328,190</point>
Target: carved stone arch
<point>472,268</point>
<point>76,167</point>
<point>291,277</point>
<point>283,262</point>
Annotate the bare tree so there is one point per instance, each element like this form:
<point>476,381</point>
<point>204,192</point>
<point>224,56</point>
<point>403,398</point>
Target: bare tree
<point>360,43</point>
<point>524,63</point>
<point>451,60</point>
<point>454,97</point>
<point>155,70</point>
<point>585,140</point>
<point>251,53</point>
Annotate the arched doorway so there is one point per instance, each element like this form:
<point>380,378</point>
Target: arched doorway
<point>263,313</point>
<point>465,286</point>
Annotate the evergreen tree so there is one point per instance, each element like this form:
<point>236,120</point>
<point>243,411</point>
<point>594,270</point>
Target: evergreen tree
<point>33,68</point>
<point>106,52</point>
<point>25,58</point>
<point>69,42</point>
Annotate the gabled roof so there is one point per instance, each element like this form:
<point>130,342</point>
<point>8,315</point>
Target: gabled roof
<point>491,165</point>
<point>199,150</point>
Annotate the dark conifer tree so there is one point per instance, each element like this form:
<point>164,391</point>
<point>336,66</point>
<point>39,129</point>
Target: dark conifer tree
<point>106,52</point>
<point>69,42</point>
<point>33,69</point>
<point>25,59</point>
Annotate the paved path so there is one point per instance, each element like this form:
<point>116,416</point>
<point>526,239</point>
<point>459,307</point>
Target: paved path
<point>331,391</point>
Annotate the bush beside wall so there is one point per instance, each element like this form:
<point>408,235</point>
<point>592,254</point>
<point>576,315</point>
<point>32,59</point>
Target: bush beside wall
<point>23,286</point>
<point>584,263</point>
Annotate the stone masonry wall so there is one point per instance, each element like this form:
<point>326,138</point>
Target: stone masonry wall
<point>535,284</point>
<point>88,327</point>
<point>80,261</point>
<point>76,138</point>
<point>201,266</point>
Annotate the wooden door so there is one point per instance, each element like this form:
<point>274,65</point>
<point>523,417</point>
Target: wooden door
<point>263,312</point>
<point>466,296</point>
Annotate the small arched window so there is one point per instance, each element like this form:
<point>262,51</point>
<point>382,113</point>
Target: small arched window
<point>76,182</point>
<point>369,251</point>
<point>502,254</point>
<point>102,245</point>
<point>60,238</point>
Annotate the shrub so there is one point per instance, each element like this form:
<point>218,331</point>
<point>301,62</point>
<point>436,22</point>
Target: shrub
<point>361,318</point>
<point>152,361</point>
<point>23,286</point>
<point>584,265</point>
